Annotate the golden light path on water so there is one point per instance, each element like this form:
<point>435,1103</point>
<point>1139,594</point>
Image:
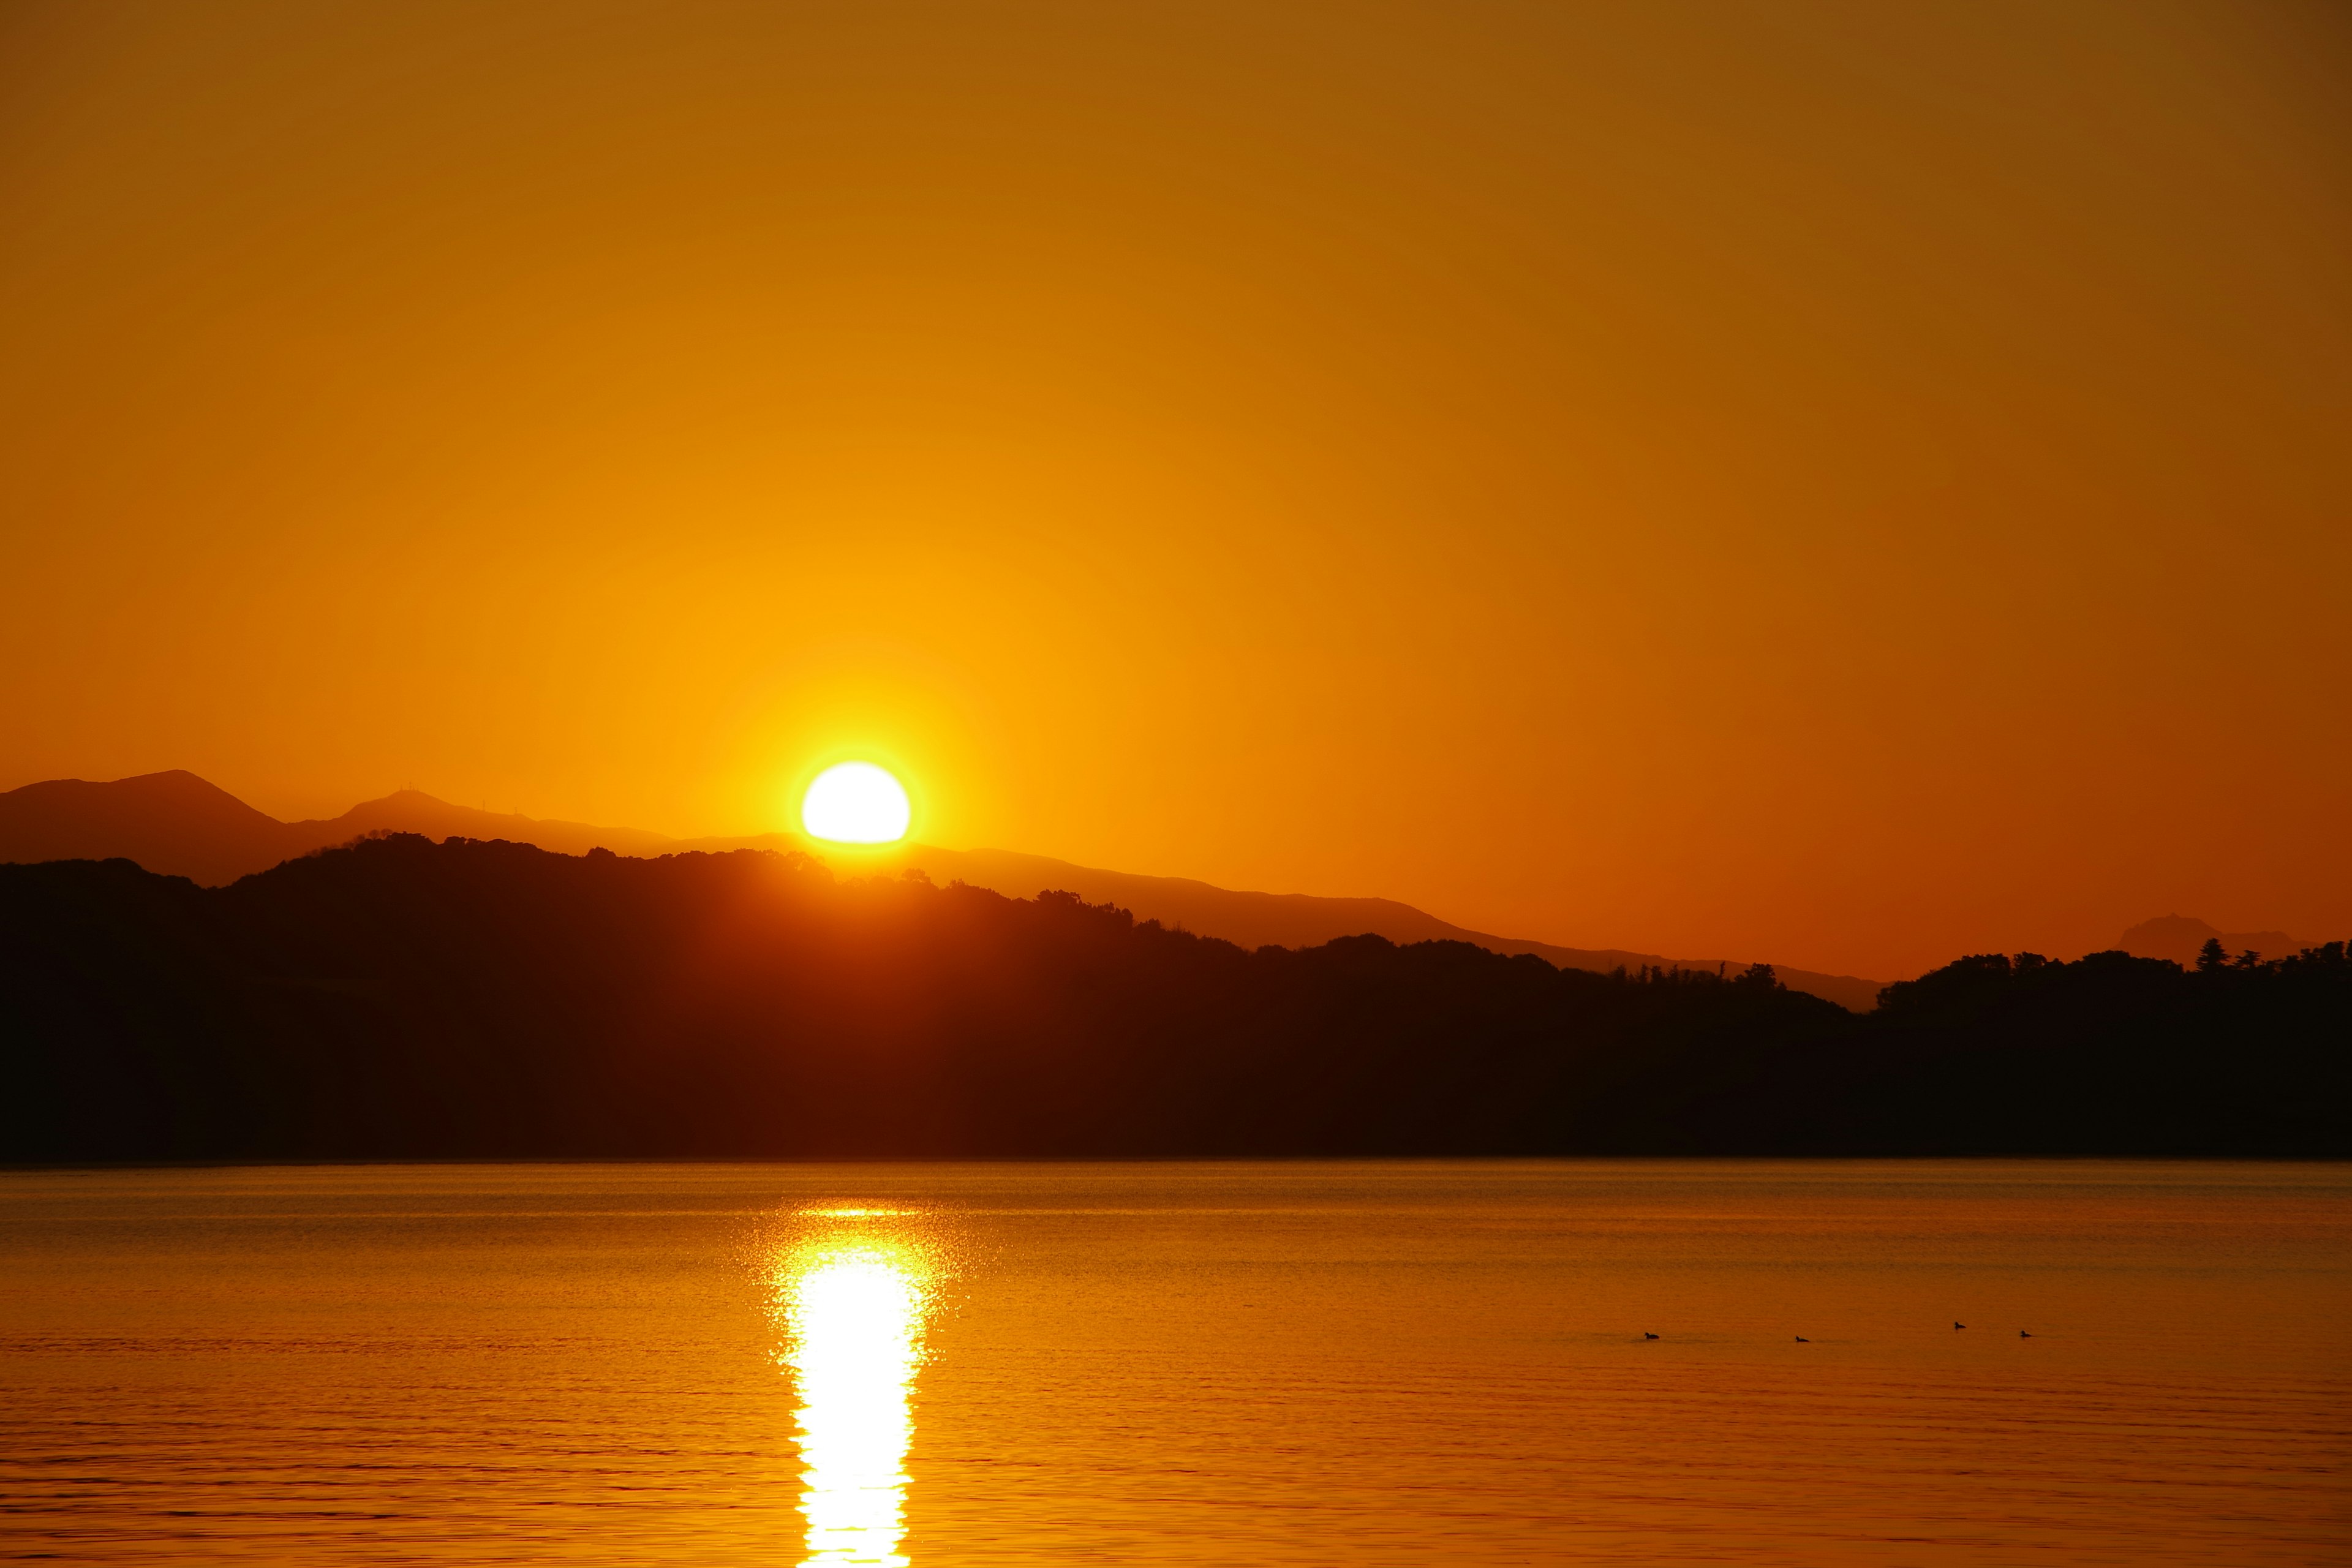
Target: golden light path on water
<point>852,1298</point>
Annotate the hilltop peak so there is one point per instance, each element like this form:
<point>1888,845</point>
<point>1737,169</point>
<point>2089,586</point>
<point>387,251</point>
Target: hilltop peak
<point>171,822</point>
<point>2179,937</point>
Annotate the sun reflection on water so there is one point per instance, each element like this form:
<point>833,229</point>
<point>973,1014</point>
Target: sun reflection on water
<point>852,1299</point>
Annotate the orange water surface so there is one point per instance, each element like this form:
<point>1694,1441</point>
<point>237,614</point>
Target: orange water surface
<point>1180,1363</point>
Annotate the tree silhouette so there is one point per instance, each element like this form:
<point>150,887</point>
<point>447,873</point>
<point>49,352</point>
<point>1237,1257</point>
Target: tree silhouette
<point>398,998</point>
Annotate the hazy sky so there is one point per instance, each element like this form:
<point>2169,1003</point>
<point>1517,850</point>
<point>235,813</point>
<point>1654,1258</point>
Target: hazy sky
<point>1849,483</point>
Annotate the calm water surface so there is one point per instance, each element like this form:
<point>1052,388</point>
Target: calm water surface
<point>1277,1364</point>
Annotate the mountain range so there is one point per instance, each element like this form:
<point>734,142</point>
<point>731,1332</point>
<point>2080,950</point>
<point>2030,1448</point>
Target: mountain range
<point>2181,938</point>
<point>177,824</point>
<point>396,998</point>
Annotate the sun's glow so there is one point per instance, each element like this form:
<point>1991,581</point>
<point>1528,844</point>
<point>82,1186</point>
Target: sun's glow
<point>852,1310</point>
<point>855,802</point>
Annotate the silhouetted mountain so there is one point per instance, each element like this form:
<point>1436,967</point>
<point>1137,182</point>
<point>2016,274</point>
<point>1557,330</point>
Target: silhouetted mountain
<point>173,823</point>
<point>2181,938</point>
<point>1260,920</point>
<point>183,843</point>
<point>414,811</point>
<point>181,826</point>
<point>402,999</point>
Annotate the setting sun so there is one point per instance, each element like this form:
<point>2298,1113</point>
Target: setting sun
<point>950,782</point>
<point>855,802</point>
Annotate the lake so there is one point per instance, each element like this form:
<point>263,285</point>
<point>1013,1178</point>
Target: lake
<point>1383,1362</point>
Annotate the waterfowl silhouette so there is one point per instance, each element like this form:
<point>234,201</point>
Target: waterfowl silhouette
<point>1957,1324</point>
<point>1802,1341</point>
<point>1648,1335</point>
<point>2023,1335</point>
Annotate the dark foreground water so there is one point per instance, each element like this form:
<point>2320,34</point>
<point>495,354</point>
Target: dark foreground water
<point>1227,1365</point>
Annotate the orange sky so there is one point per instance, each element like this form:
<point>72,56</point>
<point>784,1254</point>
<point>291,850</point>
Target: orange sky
<point>1846,483</point>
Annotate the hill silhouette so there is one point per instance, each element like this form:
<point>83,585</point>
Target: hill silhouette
<point>182,825</point>
<point>399,998</point>
<point>414,811</point>
<point>173,823</point>
<point>2181,938</point>
<point>1283,920</point>
<point>177,824</point>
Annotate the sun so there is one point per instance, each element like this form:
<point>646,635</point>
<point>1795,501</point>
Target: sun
<point>855,802</point>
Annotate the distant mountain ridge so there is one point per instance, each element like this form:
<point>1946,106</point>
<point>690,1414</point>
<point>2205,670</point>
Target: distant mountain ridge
<point>177,824</point>
<point>2181,937</point>
<point>174,823</point>
<point>1283,920</point>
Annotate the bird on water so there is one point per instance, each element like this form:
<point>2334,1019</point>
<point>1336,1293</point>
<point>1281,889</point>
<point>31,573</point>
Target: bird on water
<point>2023,1335</point>
<point>1648,1335</point>
<point>1802,1341</point>
<point>1957,1324</point>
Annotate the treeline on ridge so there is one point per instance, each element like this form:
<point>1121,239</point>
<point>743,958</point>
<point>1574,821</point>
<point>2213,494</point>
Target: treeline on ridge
<point>398,998</point>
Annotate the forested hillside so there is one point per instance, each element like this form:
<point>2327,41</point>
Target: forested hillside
<point>399,998</point>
